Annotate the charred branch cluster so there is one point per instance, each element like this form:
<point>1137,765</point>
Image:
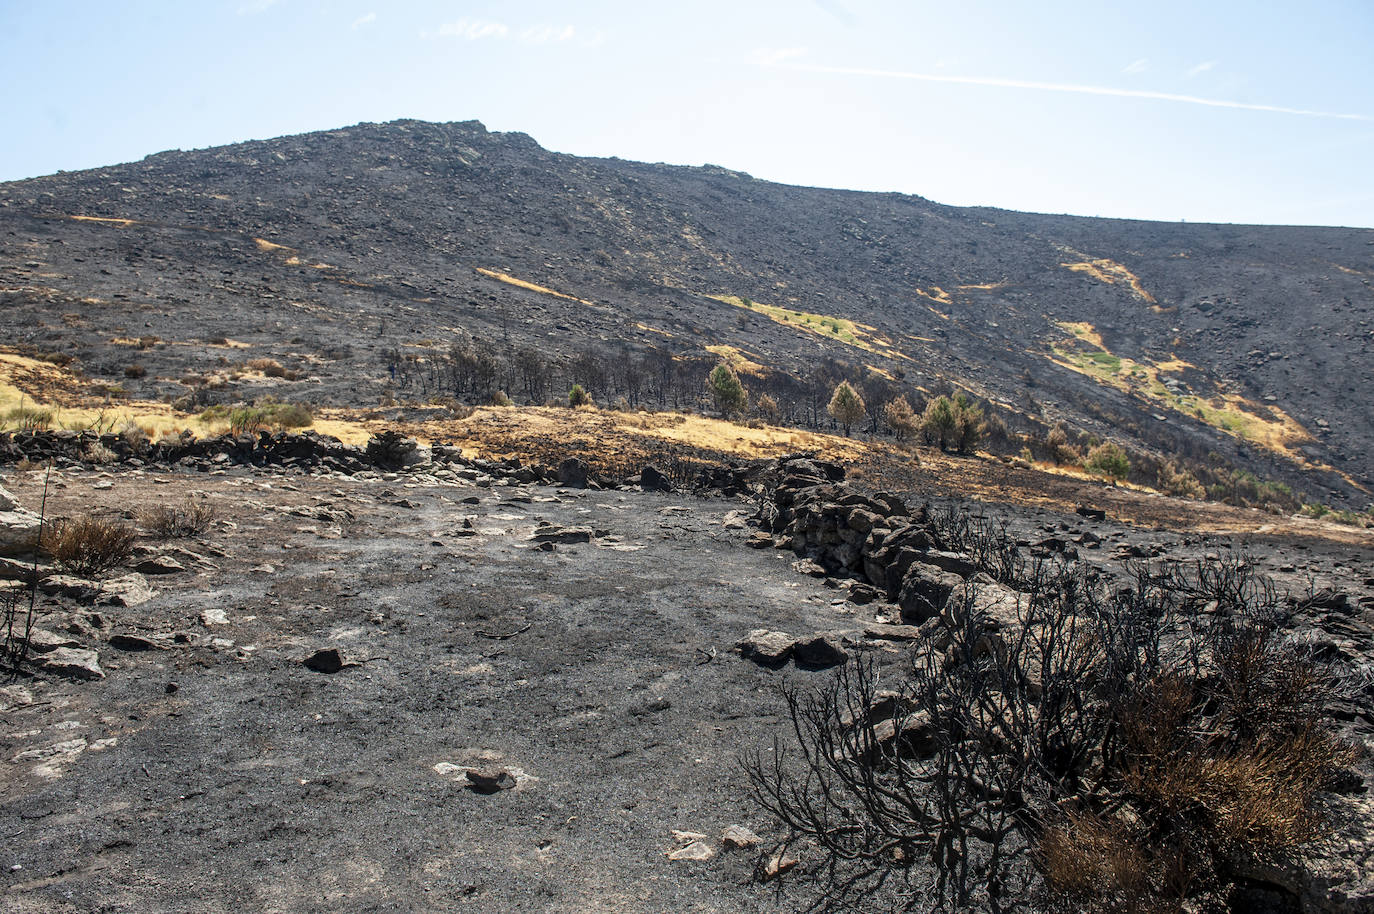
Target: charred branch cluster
<point>1057,736</point>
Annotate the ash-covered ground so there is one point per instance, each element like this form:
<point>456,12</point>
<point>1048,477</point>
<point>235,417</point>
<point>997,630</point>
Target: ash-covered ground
<point>212,770</point>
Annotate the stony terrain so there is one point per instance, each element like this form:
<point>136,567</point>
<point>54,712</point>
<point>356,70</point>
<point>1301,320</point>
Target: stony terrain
<point>356,257</point>
<point>579,646</point>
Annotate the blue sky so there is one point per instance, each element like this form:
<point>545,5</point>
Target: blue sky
<point>1207,111</point>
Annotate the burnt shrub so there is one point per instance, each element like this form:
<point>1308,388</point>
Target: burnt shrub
<point>178,522</point>
<point>1063,740</point>
<point>88,547</point>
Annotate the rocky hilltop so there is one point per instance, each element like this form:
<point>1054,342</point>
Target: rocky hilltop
<point>358,258</point>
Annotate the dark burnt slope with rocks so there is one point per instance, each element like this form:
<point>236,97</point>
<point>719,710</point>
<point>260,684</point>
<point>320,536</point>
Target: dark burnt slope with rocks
<point>327,249</point>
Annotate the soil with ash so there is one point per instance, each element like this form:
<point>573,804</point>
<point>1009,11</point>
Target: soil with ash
<point>576,646</point>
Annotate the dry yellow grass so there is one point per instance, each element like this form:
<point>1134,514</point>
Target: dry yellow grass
<point>839,329</point>
<point>268,247</point>
<point>1111,272</point>
<point>936,294</point>
<point>122,223</point>
<point>501,432</point>
<point>1267,426</point>
<point>739,361</point>
<point>533,287</point>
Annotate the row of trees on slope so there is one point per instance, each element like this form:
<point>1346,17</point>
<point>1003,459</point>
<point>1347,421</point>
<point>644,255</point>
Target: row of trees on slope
<point>832,394</point>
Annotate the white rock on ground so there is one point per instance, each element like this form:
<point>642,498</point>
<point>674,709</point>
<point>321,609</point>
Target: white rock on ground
<point>18,526</point>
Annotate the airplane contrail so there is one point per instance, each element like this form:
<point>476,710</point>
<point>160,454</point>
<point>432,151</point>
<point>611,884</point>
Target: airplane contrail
<point>1068,87</point>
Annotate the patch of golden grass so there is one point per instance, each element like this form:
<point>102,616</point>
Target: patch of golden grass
<point>1111,272</point>
<point>839,329</point>
<point>1084,331</point>
<point>1267,426</point>
<point>738,361</point>
<point>503,432</point>
<point>984,286</point>
<point>122,223</point>
<point>936,294</point>
<point>268,247</point>
<point>523,284</point>
<point>1172,365</point>
<point>742,441</point>
<point>649,329</point>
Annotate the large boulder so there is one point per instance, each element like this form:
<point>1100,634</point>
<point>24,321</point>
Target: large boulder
<point>652,479</point>
<point>925,591</point>
<point>573,473</point>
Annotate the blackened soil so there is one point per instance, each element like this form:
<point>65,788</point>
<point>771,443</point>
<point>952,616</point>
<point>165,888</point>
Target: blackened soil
<point>221,774</point>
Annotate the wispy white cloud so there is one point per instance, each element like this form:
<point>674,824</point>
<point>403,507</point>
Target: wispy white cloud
<point>1137,66</point>
<point>544,33</point>
<point>363,20</point>
<point>252,7</point>
<point>547,34</point>
<point>999,82</point>
<point>1201,68</point>
<point>473,29</point>
<point>767,57</point>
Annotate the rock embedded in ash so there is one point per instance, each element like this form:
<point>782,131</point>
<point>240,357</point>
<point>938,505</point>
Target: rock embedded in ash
<point>759,540</point>
<point>739,838</point>
<point>74,663</point>
<point>1091,513</point>
<point>28,572</point>
<point>735,520</point>
<point>159,564</point>
<point>908,736</point>
<point>1328,599</point>
<point>214,616</point>
<point>861,594</point>
<point>42,641</point>
<point>489,780</point>
<point>556,533</point>
<point>68,586</point>
<point>697,851</point>
<point>819,652</point>
<point>573,472</point>
<point>777,865</point>
<point>769,648</point>
<point>129,590</point>
<point>652,479</point>
<point>127,642</point>
<point>326,660</point>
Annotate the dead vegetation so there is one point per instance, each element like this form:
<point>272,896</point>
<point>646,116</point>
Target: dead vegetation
<point>178,522</point>
<point>88,547</point>
<point>1057,738</point>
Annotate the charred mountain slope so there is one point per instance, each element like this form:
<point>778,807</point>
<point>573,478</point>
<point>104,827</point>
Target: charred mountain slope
<point>1240,344</point>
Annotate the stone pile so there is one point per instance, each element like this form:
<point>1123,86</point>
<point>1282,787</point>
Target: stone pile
<point>311,452</point>
<point>808,508</point>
